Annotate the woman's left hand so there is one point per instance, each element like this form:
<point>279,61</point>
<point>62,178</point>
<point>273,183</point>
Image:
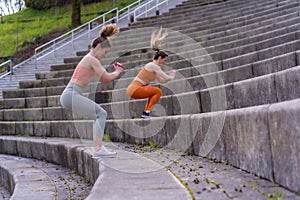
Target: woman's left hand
<point>118,66</point>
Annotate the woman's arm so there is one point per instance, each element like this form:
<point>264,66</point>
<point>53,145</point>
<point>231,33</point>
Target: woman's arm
<point>103,75</point>
<point>107,77</point>
<point>161,76</point>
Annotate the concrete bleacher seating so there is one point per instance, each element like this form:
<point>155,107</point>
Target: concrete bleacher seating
<point>235,97</point>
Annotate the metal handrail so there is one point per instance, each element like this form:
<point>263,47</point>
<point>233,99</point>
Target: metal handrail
<point>72,33</point>
<point>10,69</point>
<point>128,9</point>
<point>146,9</point>
<point>119,16</point>
<point>53,42</point>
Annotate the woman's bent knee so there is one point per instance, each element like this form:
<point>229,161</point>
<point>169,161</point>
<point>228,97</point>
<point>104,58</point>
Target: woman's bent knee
<point>159,91</point>
<point>101,113</point>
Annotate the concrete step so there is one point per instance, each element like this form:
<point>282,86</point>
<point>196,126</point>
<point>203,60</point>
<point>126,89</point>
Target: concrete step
<point>267,89</point>
<point>221,32</point>
<point>54,74</point>
<point>234,140</point>
<point>211,39</point>
<point>199,173</point>
<point>63,180</point>
<point>227,14</point>
<point>63,66</point>
<point>32,92</point>
<point>268,36</point>
<point>194,8</point>
<point>54,128</point>
<point>197,77</point>
<point>245,135</point>
<point>44,83</point>
<point>237,34</point>
<point>252,28</point>
<point>236,91</point>
<point>223,19</point>
<point>215,56</point>
<point>271,88</point>
<point>248,27</point>
<point>24,181</point>
<point>72,152</point>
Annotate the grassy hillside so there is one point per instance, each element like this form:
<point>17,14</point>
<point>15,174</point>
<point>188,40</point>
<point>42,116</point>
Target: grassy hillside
<point>27,29</point>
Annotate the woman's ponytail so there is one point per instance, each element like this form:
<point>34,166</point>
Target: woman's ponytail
<point>105,35</point>
<point>109,31</point>
<point>157,37</point>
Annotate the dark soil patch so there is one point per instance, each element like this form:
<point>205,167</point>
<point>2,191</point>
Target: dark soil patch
<point>27,52</point>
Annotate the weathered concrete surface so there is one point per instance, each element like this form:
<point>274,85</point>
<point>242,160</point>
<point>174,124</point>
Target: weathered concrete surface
<point>284,125</point>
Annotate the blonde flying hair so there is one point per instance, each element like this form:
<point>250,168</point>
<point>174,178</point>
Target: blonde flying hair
<point>157,37</point>
<point>105,34</point>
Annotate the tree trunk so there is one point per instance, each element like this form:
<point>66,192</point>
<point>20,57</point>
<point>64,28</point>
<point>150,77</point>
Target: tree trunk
<point>76,7</point>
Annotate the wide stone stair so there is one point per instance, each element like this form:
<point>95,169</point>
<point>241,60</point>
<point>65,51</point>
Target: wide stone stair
<point>235,99</point>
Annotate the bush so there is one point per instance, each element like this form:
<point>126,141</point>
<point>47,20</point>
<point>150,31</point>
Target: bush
<point>90,1</point>
<point>45,4</point>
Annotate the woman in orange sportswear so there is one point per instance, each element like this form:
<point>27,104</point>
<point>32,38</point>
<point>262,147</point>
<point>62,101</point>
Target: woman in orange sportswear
<point>88,68</point>
<point>139,88</point>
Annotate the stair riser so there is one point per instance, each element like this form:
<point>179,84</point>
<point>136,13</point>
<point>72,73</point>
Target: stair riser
<point>267,89</point>
<point>239,133</point>
<point>71,154</point>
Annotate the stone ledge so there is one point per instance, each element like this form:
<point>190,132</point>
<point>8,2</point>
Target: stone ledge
<point>141,177</point>
<point>242,137</point>
<point>70,153</point>
<point>25,182</point>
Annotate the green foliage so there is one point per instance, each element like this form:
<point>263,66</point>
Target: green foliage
<point>28,26</point>
<point>107,138</point>
<point>154,146</point>
<point>45,4</point>
<point>277,195</point>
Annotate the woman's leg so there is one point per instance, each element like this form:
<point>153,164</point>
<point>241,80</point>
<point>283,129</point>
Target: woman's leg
<point>74,101</point>
<point>152,93</point>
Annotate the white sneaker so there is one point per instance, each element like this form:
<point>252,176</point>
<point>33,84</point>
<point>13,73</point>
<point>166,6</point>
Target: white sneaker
<point>104,152</point>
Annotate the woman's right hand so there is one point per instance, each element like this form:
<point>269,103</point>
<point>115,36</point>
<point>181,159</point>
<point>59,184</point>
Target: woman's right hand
<point>172,73</point>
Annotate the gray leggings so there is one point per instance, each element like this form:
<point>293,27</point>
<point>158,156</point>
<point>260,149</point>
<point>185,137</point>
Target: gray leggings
<point>72,99</point>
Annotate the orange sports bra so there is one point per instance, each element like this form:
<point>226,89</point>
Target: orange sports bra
<point>84,75</point>
<point>145,77</point>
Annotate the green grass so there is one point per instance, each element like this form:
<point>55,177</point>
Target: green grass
<point>28,25</point>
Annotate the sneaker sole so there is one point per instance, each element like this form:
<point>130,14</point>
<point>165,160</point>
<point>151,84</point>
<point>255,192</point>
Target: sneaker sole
<point>106,156</point>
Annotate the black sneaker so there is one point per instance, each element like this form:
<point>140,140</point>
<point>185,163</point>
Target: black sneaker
<point>145,115</point>
<point>148,115</point>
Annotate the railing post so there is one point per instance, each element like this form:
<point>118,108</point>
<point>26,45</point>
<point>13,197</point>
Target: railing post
<point>89,30</point>
<point>117,16</point>
<point>11,69</point>
<point>54,49</point>
<point>157,11</point>
<point>128,16</point>
<point>134,16</point>
<point>73,39</point>
<point>35,56</point>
